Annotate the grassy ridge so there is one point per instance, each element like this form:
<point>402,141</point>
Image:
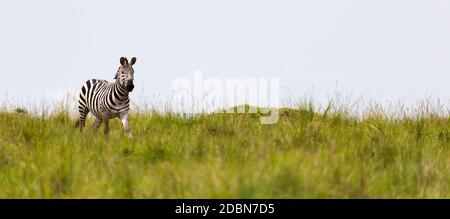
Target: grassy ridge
<point>305,155</point>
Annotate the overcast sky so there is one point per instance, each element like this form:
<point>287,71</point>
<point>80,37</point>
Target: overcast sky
<point>383,49</point>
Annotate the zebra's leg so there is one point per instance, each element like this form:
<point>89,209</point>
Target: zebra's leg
<point>126,127</point>
<point>81,121</point>
<point>82,109</point>
<point>96,124</point>
<point>106,127</point>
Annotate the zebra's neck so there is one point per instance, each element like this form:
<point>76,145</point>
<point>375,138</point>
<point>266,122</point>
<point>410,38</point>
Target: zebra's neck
<point>120,90</point>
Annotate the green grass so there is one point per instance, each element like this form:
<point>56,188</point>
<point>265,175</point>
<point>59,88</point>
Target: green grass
<point>306,154</point>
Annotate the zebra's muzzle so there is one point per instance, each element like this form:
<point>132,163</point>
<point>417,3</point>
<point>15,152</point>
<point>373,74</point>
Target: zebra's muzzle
<point>130,87</point>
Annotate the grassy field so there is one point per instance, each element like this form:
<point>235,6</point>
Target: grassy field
<point>307,154</point>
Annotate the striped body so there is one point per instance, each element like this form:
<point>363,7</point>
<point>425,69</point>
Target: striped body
<point>103,99</point>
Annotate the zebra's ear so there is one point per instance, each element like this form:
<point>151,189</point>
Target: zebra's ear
<point>123,61</point>
<point>133,60</point>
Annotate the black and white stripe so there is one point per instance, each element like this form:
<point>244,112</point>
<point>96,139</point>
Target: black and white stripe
<point>107,100</point>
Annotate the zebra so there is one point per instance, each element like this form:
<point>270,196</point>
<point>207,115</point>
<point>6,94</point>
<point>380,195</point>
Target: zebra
<point>107,100</point>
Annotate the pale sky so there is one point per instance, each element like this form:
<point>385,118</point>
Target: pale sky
<point>383,49</point>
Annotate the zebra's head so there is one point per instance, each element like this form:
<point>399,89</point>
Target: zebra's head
<point>125,74</point>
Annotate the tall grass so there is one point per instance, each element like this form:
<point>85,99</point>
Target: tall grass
<point>311,152</point>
